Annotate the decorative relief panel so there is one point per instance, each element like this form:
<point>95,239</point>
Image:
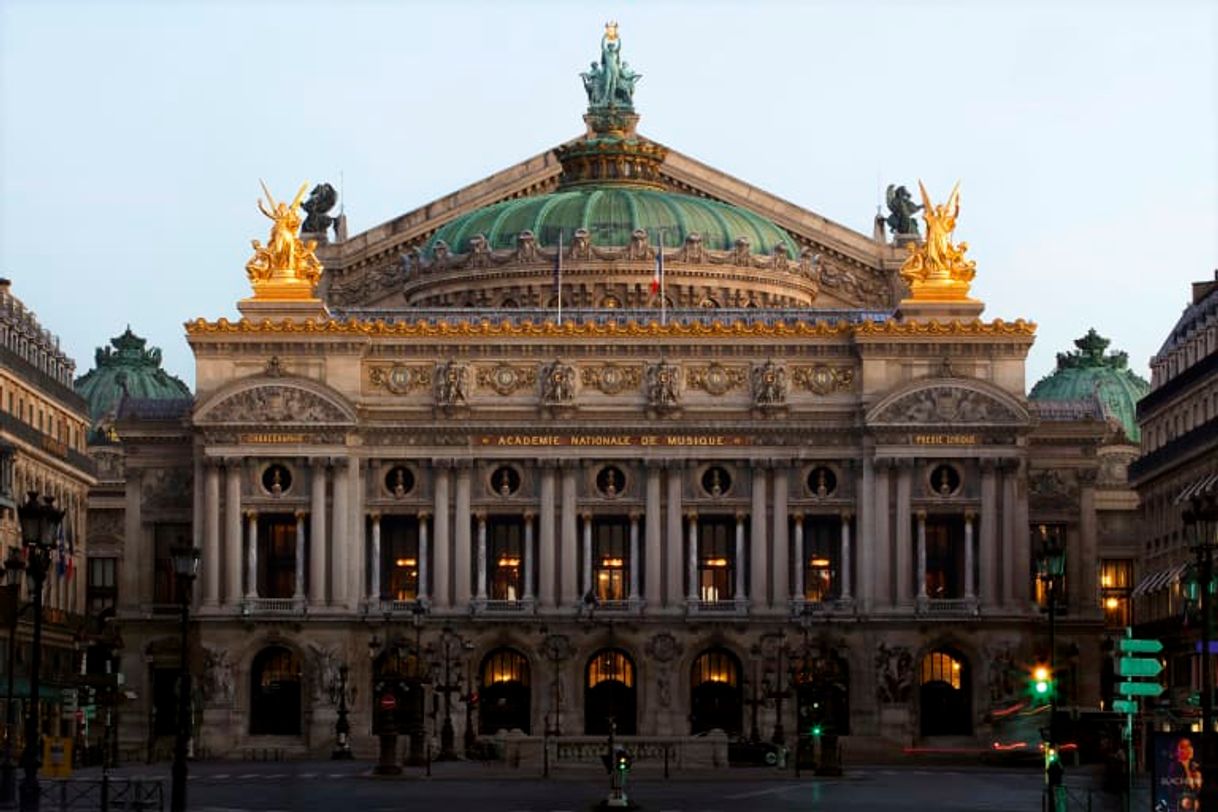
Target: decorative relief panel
<point>663,385</point>
<point>451,384</point>
<point>557,384</point>
<point>275,404</point>
<point>612,378</point>
<point>822,380</point>
<point>399,378</point>
<point>716,379</point>
<point>946,404</point>
<point>505,378</point>
<point>769,384</point>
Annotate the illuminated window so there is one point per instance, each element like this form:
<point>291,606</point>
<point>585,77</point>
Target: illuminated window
<point>1116,582</point>
<point>715,666</point>
<point>505,665</point>
<point>610,664</point>
<point>611,558</point>
<point>939,666</point>
<point>822,546</point>
<point>505,536</point>
<point>944,556</point>
<point>1043,534</point>
<point>400,558</point>
<point>716,559</point>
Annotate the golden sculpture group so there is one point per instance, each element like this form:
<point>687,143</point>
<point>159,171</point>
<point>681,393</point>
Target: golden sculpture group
<point>286,267</point>
<point>936,269</point>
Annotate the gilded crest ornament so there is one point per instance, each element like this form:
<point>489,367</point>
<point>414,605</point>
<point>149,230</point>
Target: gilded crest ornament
<point>611,379</point>
<point>505,378</point>
<point>936,269</point>
<point>716,379</point>
<point>285,268</point>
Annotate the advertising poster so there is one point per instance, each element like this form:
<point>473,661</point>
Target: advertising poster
<point>1175,772</point>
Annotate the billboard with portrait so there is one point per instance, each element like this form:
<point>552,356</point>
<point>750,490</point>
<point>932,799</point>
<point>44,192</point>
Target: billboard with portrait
<point>1175,771</point>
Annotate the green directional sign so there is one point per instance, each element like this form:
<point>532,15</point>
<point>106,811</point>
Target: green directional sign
<point>1125,705</point>
<point>1139,688</point>
<point>1128,645</point>
<point>1138,667</point>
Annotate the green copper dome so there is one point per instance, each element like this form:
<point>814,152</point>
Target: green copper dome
<point>610,213</point>
<point>127,370</point>
<point>1088,373</point>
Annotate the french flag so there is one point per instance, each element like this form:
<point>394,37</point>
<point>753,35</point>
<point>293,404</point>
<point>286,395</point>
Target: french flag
<point>658,279</point>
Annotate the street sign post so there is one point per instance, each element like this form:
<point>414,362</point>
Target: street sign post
<point>1125,705</point>
<point>1131,666</point>
<point>1139,688</point>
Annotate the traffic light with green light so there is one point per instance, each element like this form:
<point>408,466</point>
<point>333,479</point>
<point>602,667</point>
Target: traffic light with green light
<point>622,760</point>
<point>816,731</point>
<point>1042,685</point>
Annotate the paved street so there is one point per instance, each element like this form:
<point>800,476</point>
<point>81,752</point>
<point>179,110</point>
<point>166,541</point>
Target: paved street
<point>243,786</point>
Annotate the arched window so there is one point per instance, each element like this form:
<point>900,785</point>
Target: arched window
<point>609,694</point>
<point>275,693</point>
<point>944,694</point>
<point>716,699</point>
<point>505,702</point>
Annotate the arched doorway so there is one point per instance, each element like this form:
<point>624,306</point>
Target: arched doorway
<point>505,699</point>
<point>715,696</point>
<point>822,693</point>
<point>398,672</point>
<point>275,693</point>
<point>943,694</point>
<point>609,693</point>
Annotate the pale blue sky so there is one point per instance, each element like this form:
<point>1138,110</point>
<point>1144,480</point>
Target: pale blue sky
<point>132,136</point>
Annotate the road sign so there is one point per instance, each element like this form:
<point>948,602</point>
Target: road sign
<point>1128,645</point>
<point>1139,688</point>
<point>1138,667</point>
<point>388,702</point>
<point>1125,705</point>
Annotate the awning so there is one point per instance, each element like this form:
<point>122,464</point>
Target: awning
<point>1204,486</point>
<point>1160,579</point>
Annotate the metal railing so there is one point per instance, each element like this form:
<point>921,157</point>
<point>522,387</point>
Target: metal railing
<point>273,606</point>
<point>955,607</point>
<point>103,794</point>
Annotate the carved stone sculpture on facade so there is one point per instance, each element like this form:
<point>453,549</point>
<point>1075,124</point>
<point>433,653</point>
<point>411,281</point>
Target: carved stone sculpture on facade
<point>321,200</point>
<point>769,385</point>
<point>217,677</point>
<point>903,208</point>
<point>893,674</point>
<point>557,384</point>
<point>452,384</point>
<point>663,383</point>
<point>611,82</point>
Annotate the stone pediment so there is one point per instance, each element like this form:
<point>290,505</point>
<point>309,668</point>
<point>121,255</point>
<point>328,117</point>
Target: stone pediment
<point>276,403</point>
<point>948,402</point>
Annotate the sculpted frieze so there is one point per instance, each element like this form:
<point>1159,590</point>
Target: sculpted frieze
<point>557,384</point>
<point>946,404</point>
<point>822,379</point>
<point>663,386</point>
<point>716,379</point>
<point>769,384</point>
<point>275,404</point>
<point>399,379</point>
<point>506,379</point>
<point>451,384</point>
<point>612,379</point>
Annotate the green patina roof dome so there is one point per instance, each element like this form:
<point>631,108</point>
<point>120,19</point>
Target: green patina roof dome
<point>1088,373</point>
<point>127,370</point>
<point>610,213</point>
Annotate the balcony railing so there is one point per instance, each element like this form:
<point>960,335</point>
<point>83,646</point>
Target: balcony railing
<point>273,606</point>
<point>732,607</point>
<point>948,607</point>
<point>490,606</point>
<point>833,607</point>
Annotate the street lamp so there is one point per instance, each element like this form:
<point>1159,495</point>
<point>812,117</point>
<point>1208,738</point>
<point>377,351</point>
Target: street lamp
<point>452,645</point>
<point>1050,569</point>
<point>13,567</point>
<point>185,568</point>
<point>39,526</point>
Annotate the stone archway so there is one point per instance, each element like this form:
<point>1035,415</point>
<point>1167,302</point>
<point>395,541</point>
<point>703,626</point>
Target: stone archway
<point>610,693</point>
<point>505,700</point>
<point>275,692</point>
<point>716,696</point>
<point>945,694</point>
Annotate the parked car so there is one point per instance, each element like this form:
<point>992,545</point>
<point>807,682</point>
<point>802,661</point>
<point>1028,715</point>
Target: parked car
<point>746,752</point>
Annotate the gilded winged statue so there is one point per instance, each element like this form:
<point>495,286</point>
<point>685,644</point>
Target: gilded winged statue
<point>284,258</point>
<point>936,268</point>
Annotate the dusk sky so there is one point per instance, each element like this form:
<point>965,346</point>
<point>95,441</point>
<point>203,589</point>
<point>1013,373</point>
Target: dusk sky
<point>133,136</point>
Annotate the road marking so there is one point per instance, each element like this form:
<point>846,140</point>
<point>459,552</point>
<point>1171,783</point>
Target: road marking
<point>337,775</point>
<point>220,776</point>
<point>308,775</point>
<point>248,776</point>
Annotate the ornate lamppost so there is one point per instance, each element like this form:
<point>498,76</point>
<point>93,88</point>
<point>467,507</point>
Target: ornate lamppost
<point>1051,565</point>
<point>342,727</point>
<point>451,647</point>
<point>13,567</point>
<point>185,568</point>
<point>40,522</point>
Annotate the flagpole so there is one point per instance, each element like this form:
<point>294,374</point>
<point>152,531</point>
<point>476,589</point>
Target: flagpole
<point>663,299</point>
<point>558,276</point>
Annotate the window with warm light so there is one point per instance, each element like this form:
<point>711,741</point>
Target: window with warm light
<point>611,558</point>
<point>715,666</point>
<point>939,666</point>
<point>1116,584</point>
<point>505,557</point>
<point>1047,534</point>
<point>610,664</point>
<point>505,665</point>
<point>400,558</point>
<point>716,559</point>
<point>822,548</point>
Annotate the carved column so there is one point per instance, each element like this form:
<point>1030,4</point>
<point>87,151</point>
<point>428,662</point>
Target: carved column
<point>317,533</point>
<point>374,582</point>
<point>782,564</point>
<point>341,548</point>
<point>673,537</point>
<point>461,541</point>
<point>570,544</point>
<point>232,532</point>
<point>1023,541</point>
<point>922,554</point>
<point>424,554</point>
<point>904,544</point>
<point>212,562</point>
<point>587,537</point>
<point>847,571</point>
<point>442,542</point>
<point>692,557</point>
<point>481,563</point>
<point>969,588</point>
<point>865,505</point>
<point>738,568</point>
<point>758,563</point>
<point>299,592</point>
<point>545,529</point>
<point>655,545</point>
<point>1089,563</point>
<point>801,563</point>
<point>988,547</point>
<point>528,555</point>
<point>1009,544</point>
<point>634,556</point>
<point>251,524</point>
<point>887,543</point>
<point>133,530</point>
